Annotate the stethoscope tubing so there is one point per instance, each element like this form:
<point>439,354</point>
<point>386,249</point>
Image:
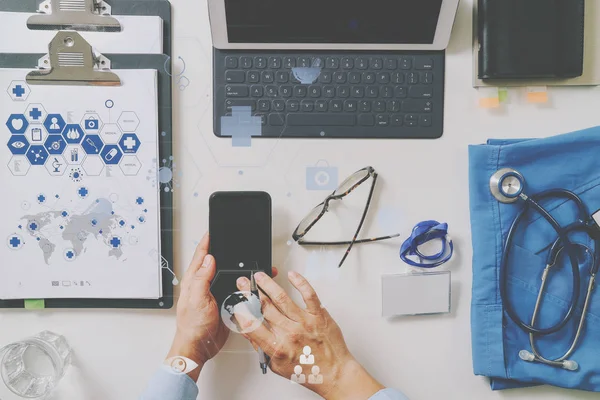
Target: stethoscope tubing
<point>533,201</point>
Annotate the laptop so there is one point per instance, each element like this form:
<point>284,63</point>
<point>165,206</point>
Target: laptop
<point>329,68</point>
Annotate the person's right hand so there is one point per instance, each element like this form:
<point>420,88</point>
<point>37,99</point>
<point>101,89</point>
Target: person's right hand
<point>291,328</point>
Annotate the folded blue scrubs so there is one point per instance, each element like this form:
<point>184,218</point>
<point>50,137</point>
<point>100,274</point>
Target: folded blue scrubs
<point>570,161</point>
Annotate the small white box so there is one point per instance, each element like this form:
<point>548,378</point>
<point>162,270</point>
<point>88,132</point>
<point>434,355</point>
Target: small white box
<point>416,293</point>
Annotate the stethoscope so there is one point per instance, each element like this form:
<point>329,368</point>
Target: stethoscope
<point>507,186</point>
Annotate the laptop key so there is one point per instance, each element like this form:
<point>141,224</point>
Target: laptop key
<point>239,103</point>
<point>289,62</point>
<point>358,91</point>
<point>235,77</point>
<point>264,105</point>
<point>350,106</point>
<point>332,63</point>
<point>300,91</point>
<point>325,77</point>
<point>329,91</point>
<point>393,106</point>
<point>278,105</point>
<point>423,63</point>
<point>314,91</point>
<point>321,119</point>
<point>383,77</point>
<point>285,91</point>
<point>267,77</point>
<point>417,106</point>
<point>347,63</point>
<point>281,76</point>
<point>260,62</point>
<point>387,92</point>
<point>426,77</point>
<point>413,78</point>
<point>321,105</point>
<point>237,91</point>
<point>256,91</point>
<point>420,92</point>
<point>271,91</point>
<point>368,77</point>
<point>372,91</point>
<point>397,120</point>
<point>425,120</point>
<point>293,105</point>
<point>391,63</point>
<point>362,63</point>
<point>246,62</point>
<point>343,91</point>
<point>400,91</point>
<point>376,63</point>
<point>304,62</point>
<point>354,77</point>
<point>335,105</point>
<point>231,62</point>
<point>366,120</point>
<point>253,77</point>
<point>340,77</point>
<point>406,63</point>
<point>382,120</point>
<point>398,77</point>
<point>274,62</point>
<point>364,106</point>
<point>379,106</point>
<point>276,119</point>
<point>307,105</point>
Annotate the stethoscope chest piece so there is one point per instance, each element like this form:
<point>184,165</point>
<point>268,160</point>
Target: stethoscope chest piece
<point>507,185</point>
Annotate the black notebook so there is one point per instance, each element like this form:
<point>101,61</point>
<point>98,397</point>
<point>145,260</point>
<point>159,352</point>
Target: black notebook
<point>530,38</point>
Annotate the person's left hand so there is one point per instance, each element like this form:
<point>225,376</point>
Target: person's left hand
<point>200,332</point>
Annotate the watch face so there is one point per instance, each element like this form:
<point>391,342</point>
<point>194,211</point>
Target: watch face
<point>181,364</point>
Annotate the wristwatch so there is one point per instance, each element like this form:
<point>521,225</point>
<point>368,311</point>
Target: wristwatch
<point>181,364</point>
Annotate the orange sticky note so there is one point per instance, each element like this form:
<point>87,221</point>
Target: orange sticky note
<point>537,95</point>
<point>488,97</point>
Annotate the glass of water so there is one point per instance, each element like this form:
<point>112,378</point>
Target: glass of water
<point>31,368</point>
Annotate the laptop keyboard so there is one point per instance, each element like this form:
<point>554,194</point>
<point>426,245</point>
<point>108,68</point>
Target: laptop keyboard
<point>332,94</point>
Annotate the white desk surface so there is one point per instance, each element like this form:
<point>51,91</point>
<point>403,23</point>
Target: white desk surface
<point>427,357</point>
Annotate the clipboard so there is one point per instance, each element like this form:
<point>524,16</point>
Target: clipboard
<point>86,75</point>
<point>161,8</point>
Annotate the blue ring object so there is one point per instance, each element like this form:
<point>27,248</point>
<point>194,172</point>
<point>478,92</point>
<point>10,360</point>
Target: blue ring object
<point>424,232</point>
<point>519,178</point>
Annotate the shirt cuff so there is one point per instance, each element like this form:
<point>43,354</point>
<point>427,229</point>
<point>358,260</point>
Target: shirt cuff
<point>388,394</point>
<point>167,384</point>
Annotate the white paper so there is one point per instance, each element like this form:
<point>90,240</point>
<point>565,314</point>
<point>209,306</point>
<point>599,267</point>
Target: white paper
<point>80,198</point>
<point>414,294</point>
<point>139,35</point>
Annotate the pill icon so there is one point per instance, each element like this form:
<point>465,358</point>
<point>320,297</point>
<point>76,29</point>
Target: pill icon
<point>111,154</point>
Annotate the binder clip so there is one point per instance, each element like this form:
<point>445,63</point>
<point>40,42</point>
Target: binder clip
<point>79,15</point>
<point>71,61</point>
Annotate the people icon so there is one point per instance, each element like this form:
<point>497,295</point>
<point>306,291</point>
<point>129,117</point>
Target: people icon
<point>298,376</point>
<point>54,125</point>
<point>306,357</point>
<point>315,377</point>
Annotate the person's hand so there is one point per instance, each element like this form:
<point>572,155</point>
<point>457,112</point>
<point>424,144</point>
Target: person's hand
<point>200,332</point>
<point>290,329</point>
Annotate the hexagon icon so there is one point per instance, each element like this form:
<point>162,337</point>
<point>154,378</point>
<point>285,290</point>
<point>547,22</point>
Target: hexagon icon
<point>54,123</point>
<point>19,165</point>
<point>91,123</point>
<point>17,123</point>
<point>56,165</point>
<point>55,144</point>
<point>129,143</point>
<point>93,165</point>
<point>36,134</point>
<point>18,90</point>
<point>111,154</point>
<point>110,133</point>
<point>73,134</point>
<point>37,155</point>
<point>35,113</point>
<point>18,144</point>
<point>128,121</point>
<point>92,144</point>
<point>130,165</point>
<point>74,154</point>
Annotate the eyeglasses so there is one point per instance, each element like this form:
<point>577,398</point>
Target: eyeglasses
<point>346,187</point>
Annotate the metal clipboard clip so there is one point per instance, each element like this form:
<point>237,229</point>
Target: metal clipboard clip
<point>79,15</point>
<point>71,61</point>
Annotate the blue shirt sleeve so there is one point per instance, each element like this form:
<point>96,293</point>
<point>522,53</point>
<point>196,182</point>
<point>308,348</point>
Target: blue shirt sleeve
<point>167,384</point>
<point>388,394</point>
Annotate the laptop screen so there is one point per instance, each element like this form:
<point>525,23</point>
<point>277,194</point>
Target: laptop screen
<point>332,21</point>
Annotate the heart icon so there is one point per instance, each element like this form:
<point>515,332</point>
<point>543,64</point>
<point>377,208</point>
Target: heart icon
<point>17,124</point>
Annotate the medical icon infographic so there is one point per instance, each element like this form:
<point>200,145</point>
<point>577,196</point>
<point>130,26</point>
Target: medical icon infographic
<point>307,358</point>
<point>244,305</point>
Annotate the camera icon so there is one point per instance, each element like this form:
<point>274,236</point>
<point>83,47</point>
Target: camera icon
<point>321,176</point>
<point>91,124</point>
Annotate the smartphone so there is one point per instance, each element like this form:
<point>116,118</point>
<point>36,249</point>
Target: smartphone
<point>240,238</point>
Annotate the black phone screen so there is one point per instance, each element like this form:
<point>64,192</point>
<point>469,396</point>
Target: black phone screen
<point>240,237</point>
